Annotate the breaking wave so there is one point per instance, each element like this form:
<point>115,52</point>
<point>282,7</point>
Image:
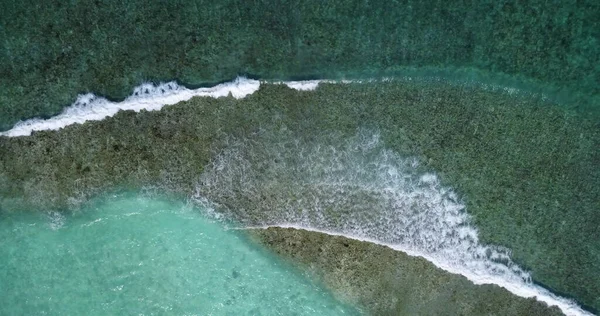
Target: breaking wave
<point>153,97</point>
<point>355,187</point>
<point>149,97</point>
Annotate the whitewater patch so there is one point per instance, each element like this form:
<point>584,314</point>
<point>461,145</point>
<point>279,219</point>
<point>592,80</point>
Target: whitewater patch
<point>149,97</point>
<point>310,85</point>
<point>354,188</point>
<point>305,85</point>
<point>358,189</point>
<point>527,290</point>
<point>153,97</point>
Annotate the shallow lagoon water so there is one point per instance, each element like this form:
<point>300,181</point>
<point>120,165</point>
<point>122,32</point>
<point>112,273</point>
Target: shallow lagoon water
<point>129,254</point>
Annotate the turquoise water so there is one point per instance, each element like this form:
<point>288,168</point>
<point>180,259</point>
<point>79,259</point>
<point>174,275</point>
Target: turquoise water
<point>139,255</point>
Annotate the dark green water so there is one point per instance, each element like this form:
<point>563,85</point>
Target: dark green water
<point>131,254</point>
<point>51,50</point>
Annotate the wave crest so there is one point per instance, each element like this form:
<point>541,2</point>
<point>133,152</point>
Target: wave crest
<point>357,188</point>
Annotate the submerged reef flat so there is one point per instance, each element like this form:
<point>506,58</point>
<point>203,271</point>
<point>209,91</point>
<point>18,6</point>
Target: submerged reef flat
<point>388,282</point>
<point>131,253</point>
<point>526,169</point>
<point>51,51</point>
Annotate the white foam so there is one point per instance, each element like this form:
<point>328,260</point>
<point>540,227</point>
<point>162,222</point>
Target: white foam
<point>310,85</point>
<point>90,107</point>
<point>56,220</point>
<point>568,307</point>
<point>358,189</point>
<point>440,232</point>
<point>149,97</point>
<point>305,85</point>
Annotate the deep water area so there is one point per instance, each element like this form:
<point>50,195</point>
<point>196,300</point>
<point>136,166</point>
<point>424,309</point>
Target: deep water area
<point>51,50</point>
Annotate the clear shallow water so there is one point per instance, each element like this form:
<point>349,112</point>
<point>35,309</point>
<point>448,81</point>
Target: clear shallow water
<point>139,255</point>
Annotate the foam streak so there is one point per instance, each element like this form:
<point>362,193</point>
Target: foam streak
<point>90,107</point>
<point>567,306</point>
<point>358,189</point>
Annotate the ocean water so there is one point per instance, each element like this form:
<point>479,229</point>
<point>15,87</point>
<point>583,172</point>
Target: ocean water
<point>355,186</point>
<point>132,254</point>
<point>51,51</point>
<point>511,193</point>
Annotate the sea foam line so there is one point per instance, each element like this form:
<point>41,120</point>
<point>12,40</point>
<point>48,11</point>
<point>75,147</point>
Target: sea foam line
<point>356,188</point>
<point>90,107</point>
<point>527,290</point>
<point>149,97</point>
